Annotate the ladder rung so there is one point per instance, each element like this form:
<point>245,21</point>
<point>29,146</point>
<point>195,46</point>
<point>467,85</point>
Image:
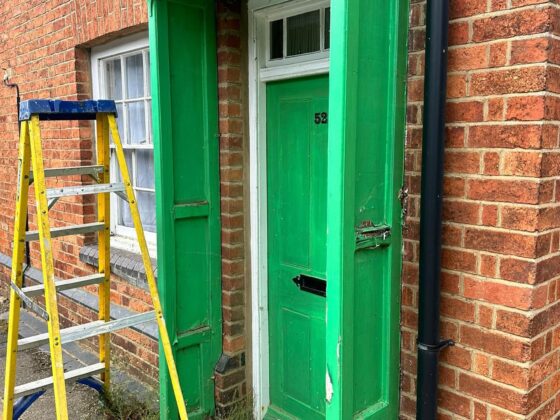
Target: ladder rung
<point>92,170</point>
<point>91,329</point>
<point>67,230</point>
<point>46,383</point>
<point>30,303</point>
<point>84,190</point>
<point>38,289</point>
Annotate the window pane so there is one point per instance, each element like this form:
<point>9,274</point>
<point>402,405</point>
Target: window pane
<point>120,122</point>
<point>149,122</point>
<point>277,39</point>
<point>113,78</point>
<point>147,207</point>
<point>128,157</point>
<point>327,28</point>
<point>304,33</point>
<point>145,169</point>
<point>148,81</point>
<point>125,218</point>
<point>134,76</point>
<point>136,123</point>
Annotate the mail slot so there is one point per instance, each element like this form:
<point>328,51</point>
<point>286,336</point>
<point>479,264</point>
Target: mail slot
<point>312,285</point>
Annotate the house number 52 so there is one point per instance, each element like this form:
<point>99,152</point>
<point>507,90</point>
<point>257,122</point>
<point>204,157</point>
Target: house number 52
<point>321,118</point>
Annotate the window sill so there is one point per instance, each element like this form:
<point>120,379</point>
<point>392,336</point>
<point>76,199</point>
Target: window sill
<point>126,241</point>
<point>124,264</point>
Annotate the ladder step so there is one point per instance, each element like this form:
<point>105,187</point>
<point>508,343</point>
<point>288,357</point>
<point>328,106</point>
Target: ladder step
<point>91,329</point>
<point>39,289</point>
<point>92,170</point>
<point>46,383</point>
<point>67,230</point>
<point>85,190</point>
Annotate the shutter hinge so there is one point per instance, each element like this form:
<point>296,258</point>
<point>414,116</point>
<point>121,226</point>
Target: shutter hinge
<point>371,236</point>
<point>403,198</point>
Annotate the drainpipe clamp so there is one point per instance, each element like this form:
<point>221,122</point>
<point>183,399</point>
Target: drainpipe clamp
<point>436,348</point>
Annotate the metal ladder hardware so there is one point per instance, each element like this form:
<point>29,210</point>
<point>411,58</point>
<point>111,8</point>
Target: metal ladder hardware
<point>91,329</point>
<point>46,383</point>
<point>67,231</point>
<point>39,289</point>
<point>84,190</point>
<point>31,170</point>
<point>55,193</point>
<point>91,170</point>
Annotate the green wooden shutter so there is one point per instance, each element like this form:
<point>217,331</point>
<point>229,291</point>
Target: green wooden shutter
<point>366,138</point>
<point>184,92</point>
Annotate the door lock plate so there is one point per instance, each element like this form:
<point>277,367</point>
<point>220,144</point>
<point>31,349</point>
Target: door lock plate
<point>371,236</point>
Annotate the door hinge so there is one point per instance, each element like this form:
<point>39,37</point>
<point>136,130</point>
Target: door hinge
<point>371,236</point>
<point>403,198</point>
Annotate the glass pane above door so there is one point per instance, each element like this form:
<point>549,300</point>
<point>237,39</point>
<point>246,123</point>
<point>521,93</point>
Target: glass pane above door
<point>299,34</point>
<point>276,39</point>
<point>303,33</point>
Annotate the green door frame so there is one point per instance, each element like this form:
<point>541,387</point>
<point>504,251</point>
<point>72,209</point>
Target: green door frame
<point>366,114</point>
<point>367,38</point>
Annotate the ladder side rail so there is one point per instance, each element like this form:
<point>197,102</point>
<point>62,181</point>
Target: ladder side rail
<point>48,270</point>
<point>163,334</point>
<point>104,216</point>
<point>24,158</point>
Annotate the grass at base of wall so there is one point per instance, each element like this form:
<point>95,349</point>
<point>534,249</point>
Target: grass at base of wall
<point>240,410</point>
<point>121,404</point>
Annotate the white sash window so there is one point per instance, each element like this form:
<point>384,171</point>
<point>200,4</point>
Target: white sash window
<point>120,71</point>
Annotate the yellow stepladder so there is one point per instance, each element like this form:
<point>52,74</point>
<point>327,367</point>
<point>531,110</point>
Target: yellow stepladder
<point>31,157</point>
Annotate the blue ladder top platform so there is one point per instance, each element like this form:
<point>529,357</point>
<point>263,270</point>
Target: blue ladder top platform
<point>54,109</point>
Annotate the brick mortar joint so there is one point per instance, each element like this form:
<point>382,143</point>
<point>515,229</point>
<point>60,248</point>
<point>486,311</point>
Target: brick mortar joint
<point>497,13</point>
<point>513,388</point>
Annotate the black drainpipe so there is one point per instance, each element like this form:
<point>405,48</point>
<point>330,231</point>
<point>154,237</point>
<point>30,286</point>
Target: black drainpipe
<point>435,90</point>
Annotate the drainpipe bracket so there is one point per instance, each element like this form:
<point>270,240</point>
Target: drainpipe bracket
<point>437,347</point>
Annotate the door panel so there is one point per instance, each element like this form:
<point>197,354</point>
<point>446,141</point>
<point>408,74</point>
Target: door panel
<point>366,138</point>
<point>185,111</point>
<point>297,170</point>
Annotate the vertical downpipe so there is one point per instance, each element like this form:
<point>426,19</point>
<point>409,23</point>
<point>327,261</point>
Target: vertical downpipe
<point>435,90</point>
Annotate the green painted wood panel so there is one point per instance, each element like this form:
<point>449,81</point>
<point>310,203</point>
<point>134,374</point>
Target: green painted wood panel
<point>297,229</point>
<point>184,91</point>
<point>366,139</point>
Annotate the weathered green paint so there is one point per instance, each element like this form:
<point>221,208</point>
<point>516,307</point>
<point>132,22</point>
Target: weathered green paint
<point>184,91</point>
<point>296,185</point>
<point>366,137</point>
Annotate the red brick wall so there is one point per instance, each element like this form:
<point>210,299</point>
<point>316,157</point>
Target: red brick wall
<point>45,44</point>
<point>501,261</point>
<point>231,386</point>
<point>502,238</point>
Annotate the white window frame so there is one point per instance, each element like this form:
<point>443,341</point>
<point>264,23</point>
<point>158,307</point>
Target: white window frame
<point>265,11</point>
<point>286,13</point>
<point>122,237</point>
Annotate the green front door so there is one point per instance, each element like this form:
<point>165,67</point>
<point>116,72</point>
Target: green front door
<point>297,183</point>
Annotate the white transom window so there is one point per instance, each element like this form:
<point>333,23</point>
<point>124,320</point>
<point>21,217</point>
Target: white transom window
<point>120,71</point>
<point>294,38</point>
<point>298,34</point>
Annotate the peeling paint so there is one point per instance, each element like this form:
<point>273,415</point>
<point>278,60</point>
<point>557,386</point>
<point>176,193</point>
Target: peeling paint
<point>338,349</point>
<point>328,387</point>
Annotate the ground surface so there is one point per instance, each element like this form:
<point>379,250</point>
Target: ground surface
<point>83,402</point>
